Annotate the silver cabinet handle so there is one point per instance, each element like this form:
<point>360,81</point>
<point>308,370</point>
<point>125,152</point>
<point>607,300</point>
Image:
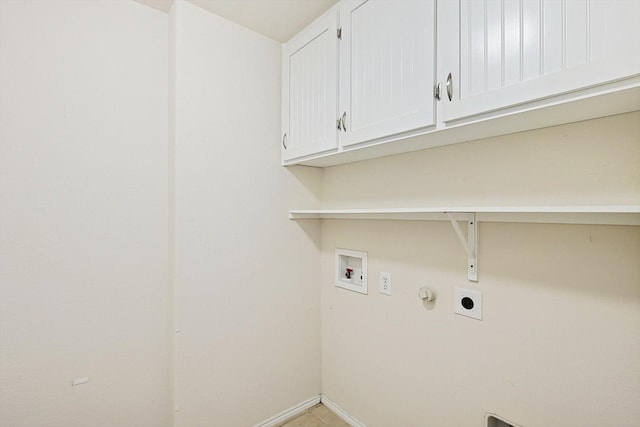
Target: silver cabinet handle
<point>284,138</point>
<point>344,121</point>
<point>449,86</point>
<point>339,124</point>
<point>436,91</point>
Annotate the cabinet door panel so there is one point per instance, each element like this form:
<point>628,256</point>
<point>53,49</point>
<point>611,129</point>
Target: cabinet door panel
<point>310,90</point>
<point>386,68</point>
<point>513,52</point>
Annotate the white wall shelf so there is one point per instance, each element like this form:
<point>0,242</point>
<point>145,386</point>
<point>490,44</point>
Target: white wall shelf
<point>605,215</point>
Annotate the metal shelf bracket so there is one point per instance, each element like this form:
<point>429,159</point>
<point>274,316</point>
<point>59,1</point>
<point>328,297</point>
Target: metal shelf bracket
<point>470,243</point>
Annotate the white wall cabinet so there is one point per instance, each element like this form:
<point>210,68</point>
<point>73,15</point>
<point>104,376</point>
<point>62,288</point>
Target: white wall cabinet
<point>309,90</point>
<point>509,53</point>
<point>387,56</point>
<point>503,66</point>
<point>386,72</point>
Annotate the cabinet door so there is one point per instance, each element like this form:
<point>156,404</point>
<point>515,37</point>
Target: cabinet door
<point>512,52</point>
<point>309,90</point>
<point>386,68</point>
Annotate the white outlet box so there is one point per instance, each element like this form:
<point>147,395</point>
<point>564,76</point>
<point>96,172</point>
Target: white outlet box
<point>351,270</point>
<point>468,303</point>
<point>385,283</point>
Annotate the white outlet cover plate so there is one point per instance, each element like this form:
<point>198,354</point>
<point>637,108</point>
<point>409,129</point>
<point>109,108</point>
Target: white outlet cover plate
<point>385,283</point>
<point>474,312</point>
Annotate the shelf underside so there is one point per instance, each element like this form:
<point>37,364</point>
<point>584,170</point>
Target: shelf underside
<point>606,215</point>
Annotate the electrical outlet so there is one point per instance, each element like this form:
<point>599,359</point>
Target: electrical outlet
<point>468,303</point>
<point>385,283</point>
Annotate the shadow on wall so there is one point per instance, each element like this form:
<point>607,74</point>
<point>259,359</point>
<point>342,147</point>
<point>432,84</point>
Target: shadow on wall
<point>309,177</point>
<point>585,163</point>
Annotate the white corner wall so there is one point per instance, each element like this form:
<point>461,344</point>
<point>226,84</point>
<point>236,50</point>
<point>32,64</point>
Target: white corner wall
<point>83,214</point>
<point>246,279</point>
<point>558,345</point>
<point>93,197</point>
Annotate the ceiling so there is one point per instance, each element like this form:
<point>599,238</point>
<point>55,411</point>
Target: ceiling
<point>276,19</point>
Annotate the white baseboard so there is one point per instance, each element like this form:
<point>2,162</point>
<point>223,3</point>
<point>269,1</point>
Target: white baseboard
<point>340,412</point>
<point>290,413</point>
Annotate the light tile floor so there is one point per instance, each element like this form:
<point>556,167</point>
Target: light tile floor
<point>318,416</point>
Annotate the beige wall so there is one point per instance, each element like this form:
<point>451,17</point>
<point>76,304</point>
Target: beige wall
<point>559,343</point>
<point>84,238</point>
<point>587,163</point>
<point>246,278</point>
<point>83,214</point>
